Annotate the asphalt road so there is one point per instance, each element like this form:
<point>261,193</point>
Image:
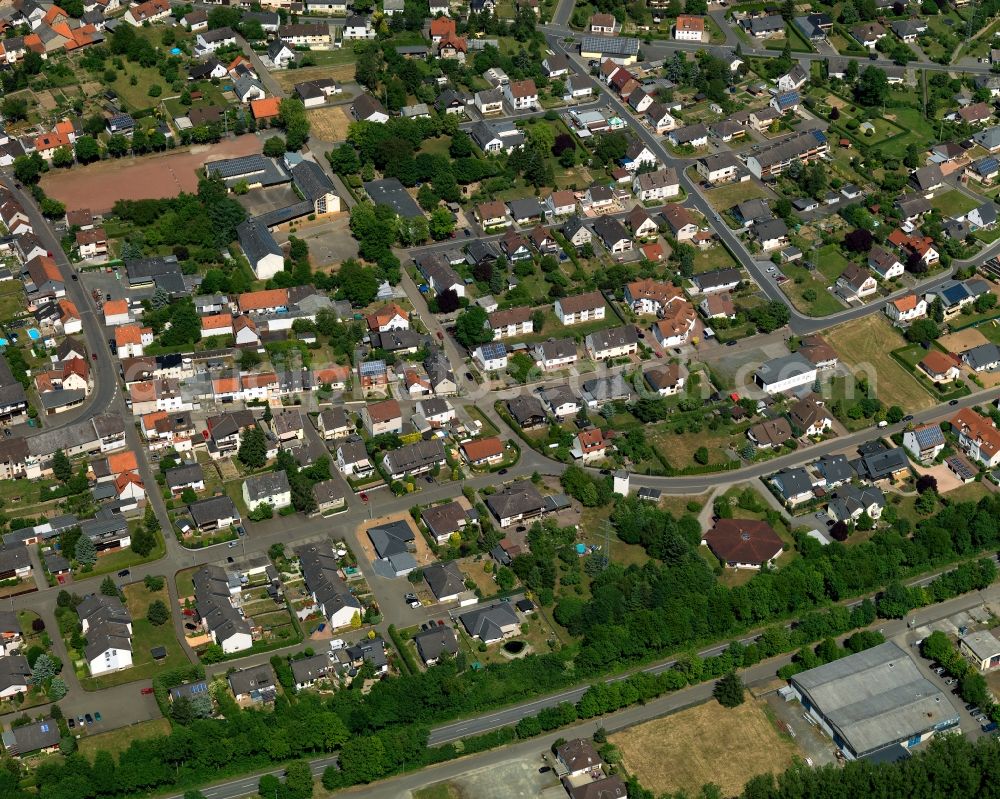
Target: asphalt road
<point>397,787</point>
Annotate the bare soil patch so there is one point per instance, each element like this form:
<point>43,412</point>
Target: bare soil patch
<point>98,186</point>
<point>962,340</point>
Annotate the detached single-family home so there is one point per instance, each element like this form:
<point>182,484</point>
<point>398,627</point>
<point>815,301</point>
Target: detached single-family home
<point>924,443</point>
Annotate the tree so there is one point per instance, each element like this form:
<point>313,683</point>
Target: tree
<point>85,551</point>
<point>108,587</point>
<point>447,301</point>
<point>61,466</point>
<point>729,691</point>
<point>441,223</point>
<point>143,542</point>
<point>923,331</point>
<point>840,531</point>
<point>926,482</point>
<point>87,149</point>
<point>894,414</point>
<point>45,668</point>
<point>358,283</point>
<point>872,88</point>
<point>298,780</point>
<point>62,157</point>
<point>472,327</point>
<point>859,240</point>
<point>253,448</point>
<point>274,147</point>
<point>157,614</point>
<point>14,108</point>
<point>292,117</point>
<point>28,168</point>
<point>150,520</point>
<point>153,583</point>
<point>701,455</point>
<point>57,688</point>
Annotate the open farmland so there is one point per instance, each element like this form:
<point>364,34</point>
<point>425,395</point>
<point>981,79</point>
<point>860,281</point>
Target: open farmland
<point>706,743</point>
<point>865,345</point>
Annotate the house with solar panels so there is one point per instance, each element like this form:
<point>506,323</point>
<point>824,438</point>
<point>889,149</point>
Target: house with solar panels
<point>40,736</point>
<point>622,50</point>
<point>924,443</point>
<point>492,356</point>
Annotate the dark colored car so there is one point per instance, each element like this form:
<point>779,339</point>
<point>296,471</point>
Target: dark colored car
<point>124,573</point>
<point>71,722</point>
<point>75,277</point>
<point>468,376</point>
<point>89,718</point>
<point>908,418</point>
<point>502,471</point>
<point>93,355</point>
<point>953,402</point>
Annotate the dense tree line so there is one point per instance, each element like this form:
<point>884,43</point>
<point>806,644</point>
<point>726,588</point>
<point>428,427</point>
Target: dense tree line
<point>640,611</point>
<point>198,224</point>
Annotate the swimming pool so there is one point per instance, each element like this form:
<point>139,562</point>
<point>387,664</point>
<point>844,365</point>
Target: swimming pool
<point>4,342</point>
<point>34,333</point>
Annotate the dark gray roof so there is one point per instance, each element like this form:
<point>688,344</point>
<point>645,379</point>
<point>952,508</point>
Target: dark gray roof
<point>525,208</point>
<point>520,497</point>
<point>306,670</point>
<point>267,484</point>
<point>487,622</point>
<point>610,231</point>
<point>311,180</point>
<point>391,538</point>
<point>252,679</point>
<point>212,509</point>
<point>444,579</point>
<point>257,241</point>
<point>320,569</point>
<point>31,737</point>
<point>792,482</point>
<point>435,641</point>
<point>609,45</point>
<point>417,455</point>
<point>11,391</point>
<point>392,193</point>
<point>525,409</point>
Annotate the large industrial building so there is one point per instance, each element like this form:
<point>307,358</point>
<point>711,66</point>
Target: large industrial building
<point>874,701</point>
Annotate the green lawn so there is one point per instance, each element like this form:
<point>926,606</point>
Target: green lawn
<point>117,741</point>
<point>12,299</point>
<point>800,281</point>
<point>795,39</point>
<point>830,262</point>
<point>716,257</point>
<point>991,330</point>
<point>122,559</point>
<point>953,203</point>
<point>725,197</point>
<point>145,636</point>
<point>136,98</point>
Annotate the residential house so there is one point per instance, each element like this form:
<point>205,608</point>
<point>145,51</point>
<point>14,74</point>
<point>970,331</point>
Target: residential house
<point>810,416</point>
<point>483,451</point>
<point>589,446</point>
<point>580,308</point>
<point>906,308</point>
<point>657,185</point>
<point>667,380</point>
<point>491,357</point>
<point>924,443</point>
<point>856,282</point>
<point>885,263</point>
<point>941,367</point>
<point>688,28</point>
<point>978,437</point>
<point>555,353</point>
<point>616,342</point>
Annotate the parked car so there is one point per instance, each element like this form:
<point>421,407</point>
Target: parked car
<point>124,573</point>
<point>71,722</point>
<point>502,471</point>
<point>989,727</point>
<point>89,718</point>
<point>146,691</point>
<point>97,715</point>
<point>240,530</point>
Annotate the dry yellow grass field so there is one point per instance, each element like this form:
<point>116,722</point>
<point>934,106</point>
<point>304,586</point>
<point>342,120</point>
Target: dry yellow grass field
<point>329,124</point>
<point>864,345</point>
<point>707,743</point>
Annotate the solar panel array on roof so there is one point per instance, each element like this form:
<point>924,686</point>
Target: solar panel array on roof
<point>494,350</point>
<point>960,468</point>
<point>609,45</point>
<point>234,167</point>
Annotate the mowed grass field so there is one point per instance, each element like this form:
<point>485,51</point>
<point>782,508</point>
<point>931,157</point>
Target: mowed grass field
<point>864,346</point>
<point>117,741</point>
<point>706,743</point>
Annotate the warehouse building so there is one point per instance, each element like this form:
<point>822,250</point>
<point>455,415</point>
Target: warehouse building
<point>873,702</point>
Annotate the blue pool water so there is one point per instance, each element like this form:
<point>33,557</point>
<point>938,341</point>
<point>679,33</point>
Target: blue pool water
<point>175,51</point>
<point>34,334</point>
<point>4,342</point>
